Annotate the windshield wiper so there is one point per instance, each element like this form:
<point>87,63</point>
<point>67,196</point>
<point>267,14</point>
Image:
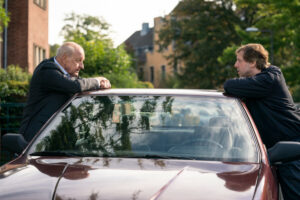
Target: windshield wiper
<point>63,153</point>
<point>167,156</point>
<point>82,154</point>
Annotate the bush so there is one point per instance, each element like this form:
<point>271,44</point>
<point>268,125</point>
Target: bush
<point>128,80</point>
<point>14,84</point>
<point>295,91</point>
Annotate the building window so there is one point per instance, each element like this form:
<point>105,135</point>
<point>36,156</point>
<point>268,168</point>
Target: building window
<point>39,54</point>
<point>141,74</point>
<point>139,51</point>
<point>152,74</point>
<point>175,67</point>
<point>173,45</point>
<point>150,48</point>
<point>163,72</point>
<point>41,3</point>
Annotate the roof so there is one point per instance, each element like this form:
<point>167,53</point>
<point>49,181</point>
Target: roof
<point>144,91</point>
<point>136,40</point>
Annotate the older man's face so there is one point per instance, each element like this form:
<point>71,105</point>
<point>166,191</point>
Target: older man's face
<point>74,63</point>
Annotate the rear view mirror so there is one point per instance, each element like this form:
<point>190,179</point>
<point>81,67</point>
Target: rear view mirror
<point>14,143</point>
<point>284,152</point>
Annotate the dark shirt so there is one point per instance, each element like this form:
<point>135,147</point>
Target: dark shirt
<point>270,105</point>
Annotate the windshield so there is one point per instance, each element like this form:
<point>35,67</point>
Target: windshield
<point>201,128</point>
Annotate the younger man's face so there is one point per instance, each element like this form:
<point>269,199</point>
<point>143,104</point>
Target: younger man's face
<point>244,68</point>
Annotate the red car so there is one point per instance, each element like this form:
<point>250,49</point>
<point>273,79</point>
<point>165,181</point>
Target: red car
<point>145,144</point>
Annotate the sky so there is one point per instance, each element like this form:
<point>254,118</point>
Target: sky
<point>124,16</point>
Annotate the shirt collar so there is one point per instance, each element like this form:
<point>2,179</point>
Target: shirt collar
<point>62,69</point>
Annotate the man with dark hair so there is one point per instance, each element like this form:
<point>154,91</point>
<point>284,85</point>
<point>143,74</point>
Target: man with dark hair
<point>53,82</point>
<point>263,88</point>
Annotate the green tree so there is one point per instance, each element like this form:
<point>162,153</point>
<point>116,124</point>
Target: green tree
<point>101,58</point>
<point>86,26</point>
<point>53,49</point>
<point>4,19</point>
<point>200,30</point>
<point>272,16</point>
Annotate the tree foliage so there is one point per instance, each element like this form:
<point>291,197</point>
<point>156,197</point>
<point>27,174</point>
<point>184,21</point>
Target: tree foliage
<point>101,58</point>
<point>14,84</point>
<point>91,28</point>
<point>53,49</point>
<point>200,30</point>
<point>272,16</point>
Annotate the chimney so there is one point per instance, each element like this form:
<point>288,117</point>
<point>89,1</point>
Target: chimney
<point>145,29</point>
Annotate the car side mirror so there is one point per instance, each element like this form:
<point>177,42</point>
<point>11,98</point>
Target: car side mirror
<point>14,143</point>
<point>284,151</point>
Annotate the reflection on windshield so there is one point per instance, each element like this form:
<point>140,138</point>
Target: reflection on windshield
<point>150,127</point>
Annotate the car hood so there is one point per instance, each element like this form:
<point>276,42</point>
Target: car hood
<point>124,178</point>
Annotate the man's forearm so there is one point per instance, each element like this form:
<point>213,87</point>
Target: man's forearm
<point>253,87</point>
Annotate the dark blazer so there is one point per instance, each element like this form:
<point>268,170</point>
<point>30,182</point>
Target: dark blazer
<point>49,89</point>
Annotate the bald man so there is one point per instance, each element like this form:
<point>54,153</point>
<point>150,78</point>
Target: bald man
<point>53,82</point>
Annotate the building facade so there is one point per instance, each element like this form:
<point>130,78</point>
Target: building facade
<point>151,65</point>
<point>27,33</point>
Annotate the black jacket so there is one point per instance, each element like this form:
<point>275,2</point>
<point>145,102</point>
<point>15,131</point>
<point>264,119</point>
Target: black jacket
<point>49,90</point>
<point>270,104</point>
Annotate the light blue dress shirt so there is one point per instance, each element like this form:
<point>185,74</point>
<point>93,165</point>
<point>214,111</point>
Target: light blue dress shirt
<point>62,69</point>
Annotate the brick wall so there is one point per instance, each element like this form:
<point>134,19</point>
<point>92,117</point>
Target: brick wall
<point>17,33</point>
<point>38,34</point>
<point>28,27</point>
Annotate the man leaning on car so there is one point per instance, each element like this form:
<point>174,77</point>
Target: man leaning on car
<point>263,88</point>
<point>53,82</point>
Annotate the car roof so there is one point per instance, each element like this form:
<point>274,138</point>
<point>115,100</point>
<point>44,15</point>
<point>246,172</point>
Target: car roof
<point>147,91</point>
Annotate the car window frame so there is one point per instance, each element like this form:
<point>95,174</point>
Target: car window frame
<point>247,116</point>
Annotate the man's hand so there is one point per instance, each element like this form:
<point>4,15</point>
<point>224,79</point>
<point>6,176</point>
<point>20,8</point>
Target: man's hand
<point>104,83</point>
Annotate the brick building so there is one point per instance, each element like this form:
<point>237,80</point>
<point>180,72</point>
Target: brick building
<point>27,33</point>
<point>152,65</point>
<point>158,68</point>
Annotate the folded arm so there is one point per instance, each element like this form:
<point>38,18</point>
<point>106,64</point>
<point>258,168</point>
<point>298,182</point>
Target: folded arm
<point>258,86</point>
<point>56,81</point>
